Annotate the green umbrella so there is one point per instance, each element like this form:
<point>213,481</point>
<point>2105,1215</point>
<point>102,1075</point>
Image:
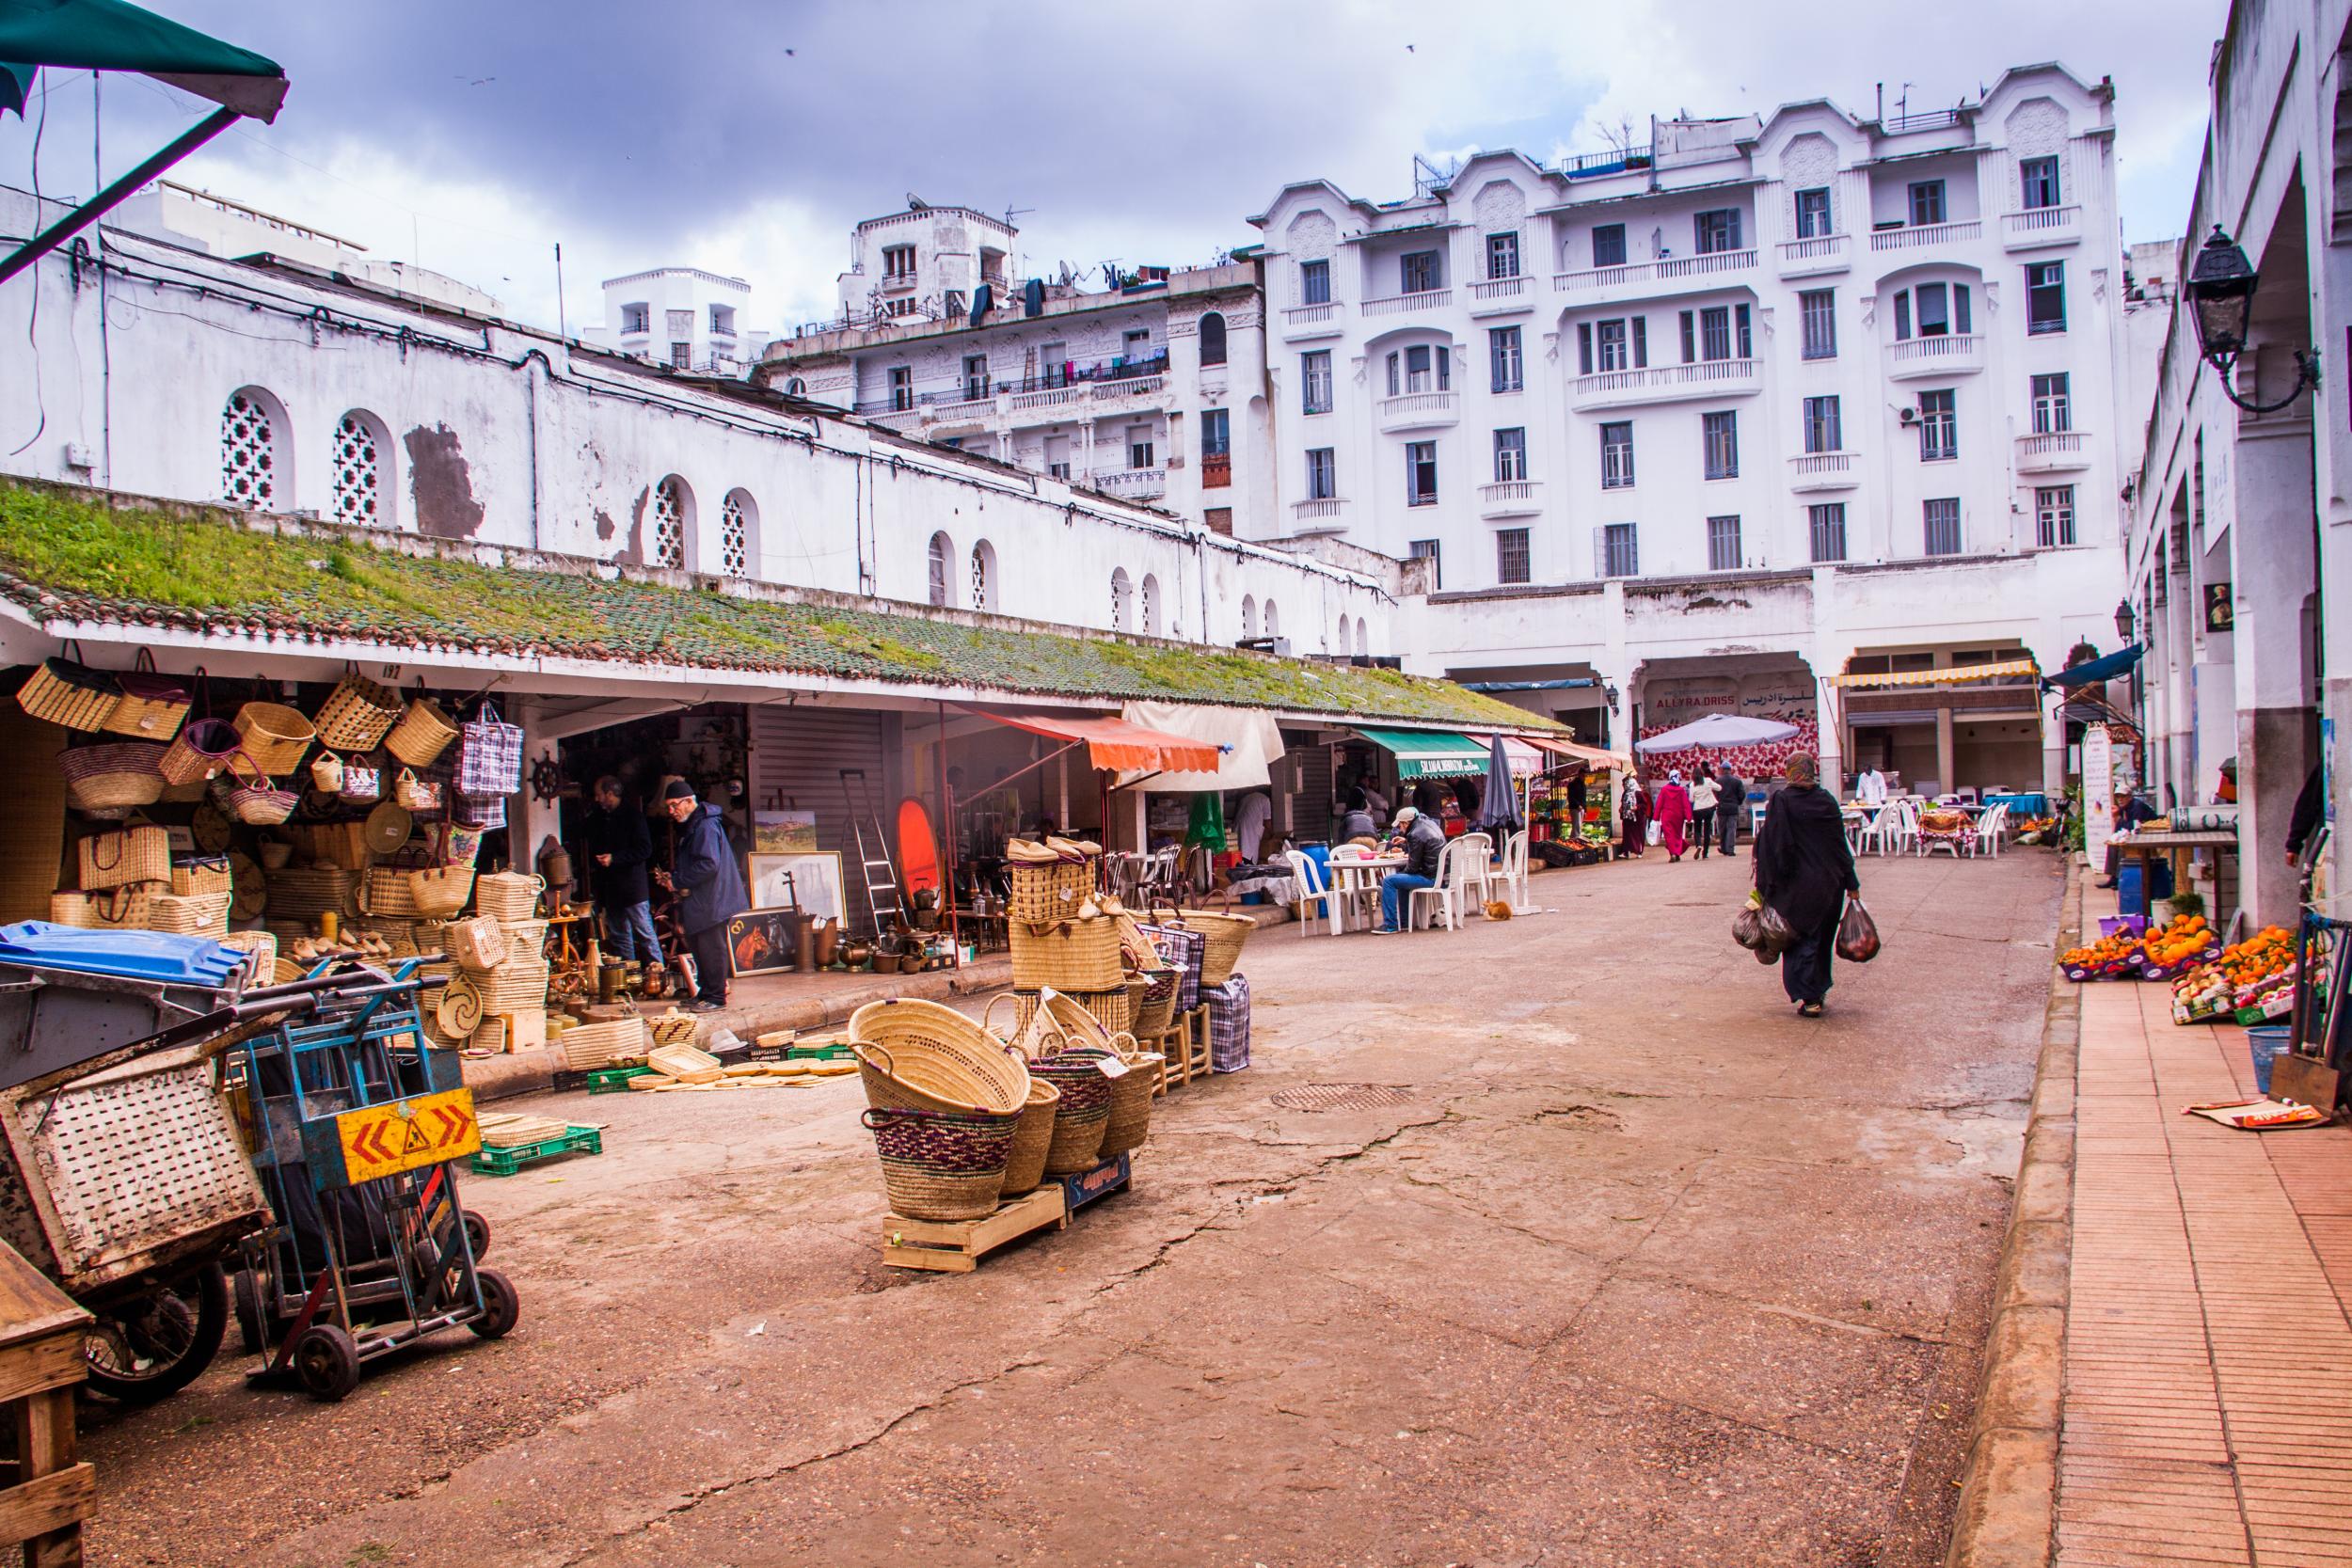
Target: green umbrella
<point>1208,820</point>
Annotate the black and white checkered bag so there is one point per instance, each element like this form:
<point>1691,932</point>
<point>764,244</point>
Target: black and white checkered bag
<point>1229,1025</point>
<point>490,754</point>
<point>1181,950</point>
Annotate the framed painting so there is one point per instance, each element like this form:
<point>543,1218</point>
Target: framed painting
<point>809,879</point>
<point>761,941</point>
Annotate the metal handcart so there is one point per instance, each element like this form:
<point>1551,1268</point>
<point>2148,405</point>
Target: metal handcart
<point>356,1119</point>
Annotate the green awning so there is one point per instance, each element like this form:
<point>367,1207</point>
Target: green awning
<point>1429,754</point>
<point>113,35</point>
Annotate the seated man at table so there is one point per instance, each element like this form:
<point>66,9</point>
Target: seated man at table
<point>1423,841</point>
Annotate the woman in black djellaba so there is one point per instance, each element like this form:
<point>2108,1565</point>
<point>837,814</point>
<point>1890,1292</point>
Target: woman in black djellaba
<point>1804,869</point>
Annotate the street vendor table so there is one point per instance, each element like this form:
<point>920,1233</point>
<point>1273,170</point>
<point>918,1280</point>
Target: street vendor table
<point>2175,846</point>
<point>1351,878</point>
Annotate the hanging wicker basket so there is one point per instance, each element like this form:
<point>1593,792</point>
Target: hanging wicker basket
<point>246,794</point>
<point>439,892</point>
<point>275,736</point>
<point>422,732</point>
<point>200,750</point>
<point>356,715</point>
<point>152,705</point>
<point>71,694</point>
<point>112,774</point>
<point>943,1164</point>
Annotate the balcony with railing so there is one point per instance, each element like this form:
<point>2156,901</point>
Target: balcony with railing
<point>1399,305</point>
<point>1824,470</point>
<point>1312,321</point>
<point>1667,272</point>
<point>2055,451</point>
<point>1498,296</point>
<point>1511,498</point>
<point>1817,253</point>
<point>2040,225</point>
<point>1419,411</point>
<point>1132,484</point>
<point>1319,515</point>
<point>1917,236</point>
<point>1948,353</point>
<point>1708,378</point>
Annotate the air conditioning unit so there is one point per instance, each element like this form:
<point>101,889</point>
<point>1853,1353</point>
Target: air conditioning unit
<point>1908,416</point>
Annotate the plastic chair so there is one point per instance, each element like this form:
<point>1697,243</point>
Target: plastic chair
<point>1987,840</point>
<point>1879,828</point>
<point>1478,875</point>
<point>1446,894</point>
<point>1312,889</point>
<point>1511,873</point>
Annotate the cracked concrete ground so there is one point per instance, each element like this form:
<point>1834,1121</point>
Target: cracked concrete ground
<point>1643,1269</point>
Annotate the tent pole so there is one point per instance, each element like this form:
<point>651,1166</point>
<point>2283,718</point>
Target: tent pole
<point>113,196</point>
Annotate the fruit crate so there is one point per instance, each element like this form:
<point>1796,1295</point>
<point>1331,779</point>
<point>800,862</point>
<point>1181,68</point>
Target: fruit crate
<point>2210,1012</point>
<point>2279,1007</point>
<point>507,1162</point>
<point>2147,971</point>
<point>2093,972</point>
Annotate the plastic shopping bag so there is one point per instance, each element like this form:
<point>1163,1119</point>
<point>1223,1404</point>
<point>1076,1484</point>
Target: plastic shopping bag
<point>1857,934</point>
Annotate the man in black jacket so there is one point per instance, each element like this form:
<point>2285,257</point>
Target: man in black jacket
<point>709,887</point>
<point>1804,869</point>
<point>1424,843</point>
<point>619,845</point>
<point>1731,799</point>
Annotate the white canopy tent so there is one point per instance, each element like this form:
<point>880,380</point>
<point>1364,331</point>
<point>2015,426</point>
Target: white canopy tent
<point>1716,730</point>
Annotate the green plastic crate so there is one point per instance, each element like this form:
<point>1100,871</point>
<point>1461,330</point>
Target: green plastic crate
<point>506,1161</point>
<point>613,1080</point>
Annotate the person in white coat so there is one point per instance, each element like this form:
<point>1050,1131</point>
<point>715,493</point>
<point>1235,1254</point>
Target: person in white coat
<point>1869,788</point>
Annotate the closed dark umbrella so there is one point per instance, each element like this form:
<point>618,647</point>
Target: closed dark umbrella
<point>1499,811</point>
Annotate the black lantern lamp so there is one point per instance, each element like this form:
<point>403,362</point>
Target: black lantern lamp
<point>2220,295</point>
<point>2123,621</point>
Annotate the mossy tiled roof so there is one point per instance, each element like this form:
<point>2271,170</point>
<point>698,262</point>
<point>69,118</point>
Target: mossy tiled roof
<point>68,554</point>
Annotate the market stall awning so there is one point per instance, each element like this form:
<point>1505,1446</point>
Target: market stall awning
<point>1247,741</point>
<point>1526,760</point>
<point>1575,750</point>
<point>1429,754</point>
<point>1115,745</point>
<point>2105,668</point>
<point>2002,671</point>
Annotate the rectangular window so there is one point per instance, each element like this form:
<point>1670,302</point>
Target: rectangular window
<point>1215,433</point>
<point>1823,428</point>
<point>1816,309</point>
<point>637,318</point>
<point>1511,561</point>
<point>1419,273</point>
<point>1421,473</point>
<point>901,387</point>
<point>1427,369</point>
<point>1640,341</point>
<point>975,376</point>
<point>1740,315</point>
<point>1935,310</point>
<point>1426,550</point>
<point>1315,380</point>
<point>1609,245</point>
<point>1138,449</point>
<point>2054,514</point>
<point>1961,323</point>
<point>2045,297</point>
<point>1322,474</point>
<point>2038,181</point>
<point>1721,438</point>
<point>1717,230</point>
<point>1690,341</point>
<point>1052,363</point>
<point>954,304</point>
<point>1942,520</point>
<point>1828,528</point>
<point>1502,350</point>
<point>1609,342</point>
<point>1715,332</point>
<point>1939,426</point>
<point>1902,313</point>
<point>1620,551</point>
<point>1722,544</point>
<point>1616,455</point>
<point>1510,454</point>
<point>2052,412</point>
<point>898,260</point>
<point>1315,282</point>
<point>1583,348</point>
<point>1136,342</point>
<point>1503,256</point>
<point>1220,519</point>
<point>1813,213</point>
<point>682,355</point>
<point>1927,201</point>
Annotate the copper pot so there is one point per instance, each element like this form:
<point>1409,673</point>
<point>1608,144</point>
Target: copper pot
<point>855,955</point>
<point>828,941</point>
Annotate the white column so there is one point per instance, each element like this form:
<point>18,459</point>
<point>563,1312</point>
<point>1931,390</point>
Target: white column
<point>531,821</point>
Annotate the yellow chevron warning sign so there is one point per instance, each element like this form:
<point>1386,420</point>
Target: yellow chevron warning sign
<point>385,1140</point>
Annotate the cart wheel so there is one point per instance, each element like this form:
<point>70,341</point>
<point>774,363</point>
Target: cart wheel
<point>251,1332</point>
<point>500,1307</point>
<point>140,1350</point>
<point>326,1359</point>
<point>477,1234</point>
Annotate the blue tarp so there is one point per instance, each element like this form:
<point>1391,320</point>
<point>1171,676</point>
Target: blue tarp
<point>2098,669</point>
<point>157,956</point>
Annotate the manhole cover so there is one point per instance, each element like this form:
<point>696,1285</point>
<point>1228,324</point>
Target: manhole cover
<point>1343,1097</point>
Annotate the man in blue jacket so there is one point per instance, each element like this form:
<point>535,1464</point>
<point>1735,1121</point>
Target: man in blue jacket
<point>710,886</point>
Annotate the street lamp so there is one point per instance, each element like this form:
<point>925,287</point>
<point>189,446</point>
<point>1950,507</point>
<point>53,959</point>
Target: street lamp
<point>2220,295</point>
<point>2123,621</point>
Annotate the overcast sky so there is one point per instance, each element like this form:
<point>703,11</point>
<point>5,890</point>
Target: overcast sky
<point>746,137</point>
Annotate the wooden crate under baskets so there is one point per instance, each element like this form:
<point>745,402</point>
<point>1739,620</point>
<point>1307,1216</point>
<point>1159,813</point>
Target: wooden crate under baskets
<point>1068,955</point>
<point>594,1045</point>
<point>507,896</point>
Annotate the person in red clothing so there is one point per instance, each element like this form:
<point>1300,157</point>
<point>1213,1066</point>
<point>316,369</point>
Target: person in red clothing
<point>1674,812</point>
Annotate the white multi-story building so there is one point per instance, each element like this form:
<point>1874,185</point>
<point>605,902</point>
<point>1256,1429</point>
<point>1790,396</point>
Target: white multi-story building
<point>682,317</point>
<point>1151,391</point>
<point>1719,419</point>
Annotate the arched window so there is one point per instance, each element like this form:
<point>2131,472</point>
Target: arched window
<point>940,582</point>
<point>1249,615</point>
<point>363,470</point>
<point>1150,605</point>
<point>1273,620</point>
<point>673,521</point>
<point>1122,594</point>
<point>1213,339</point>
<point>983,575</point>
<point>1364,640</point>
<point>251,473</point>
<point>738,530</point>
<point>795,387</point>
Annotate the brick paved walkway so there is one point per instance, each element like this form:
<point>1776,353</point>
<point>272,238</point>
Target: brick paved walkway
<point>2208,1406</point>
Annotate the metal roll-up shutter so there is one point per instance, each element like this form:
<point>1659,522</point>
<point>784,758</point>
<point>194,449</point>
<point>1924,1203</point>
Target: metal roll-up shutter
<point>797,757</point>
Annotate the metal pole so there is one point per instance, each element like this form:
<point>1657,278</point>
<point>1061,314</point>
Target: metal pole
<point>947,829</point>
<point>113,196</point>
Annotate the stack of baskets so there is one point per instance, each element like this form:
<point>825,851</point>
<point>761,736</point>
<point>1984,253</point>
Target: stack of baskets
<point>946,1100</point>
<point>1063,936</point>
<point>500,952</point>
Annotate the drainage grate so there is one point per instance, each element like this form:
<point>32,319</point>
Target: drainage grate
<point>1343,1097</point>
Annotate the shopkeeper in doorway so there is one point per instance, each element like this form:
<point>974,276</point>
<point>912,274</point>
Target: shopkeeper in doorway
<point>710,888</point>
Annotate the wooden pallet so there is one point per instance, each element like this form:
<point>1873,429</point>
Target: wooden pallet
<point>957,1247</point>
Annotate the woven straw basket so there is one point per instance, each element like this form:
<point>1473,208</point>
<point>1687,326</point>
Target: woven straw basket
<point>114,773</point>
<point>595,1045</point>
<point>1156,1011</point>
<point>207,874</point>
<point>921,1057</point>
<point>1082,1118</point>
<point>440,890</point>
<point>422,732</point>
<point>137,854</point>
<point>199,750</point>
<point>388,896</point>
<point>1131,1103</point>
<point>1109,1009</point>
<point>1025,1167</point>
<point>190,915</point>
<point>356,716</point>
<point>507,896</point>
<point>152,705</point>
<point>476,944</point>
<point>943,1164</point>
<point>512,988</point>
<point>275,736</point>
<point>66,693</point>
<point>1068,955</point>
<point>1226,934</point>
<point>69,908</point>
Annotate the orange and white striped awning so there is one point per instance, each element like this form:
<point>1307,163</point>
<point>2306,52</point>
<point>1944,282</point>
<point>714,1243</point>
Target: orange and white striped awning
<point>1947,676</point>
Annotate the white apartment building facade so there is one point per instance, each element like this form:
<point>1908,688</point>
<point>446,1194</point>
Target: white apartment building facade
<point>1152,391</point>
<point>682,317</point>
<point>1715,421</point>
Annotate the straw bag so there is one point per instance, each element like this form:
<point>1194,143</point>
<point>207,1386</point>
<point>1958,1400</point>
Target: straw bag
<point>151,705</point>
<point>513,987</point>
<point>439,892</point>
<point>456,844</point>
<point>1046,882</point>
<point>1130,1121</point>
<point>1226,933</point>
<point>385,894</point>
<point>1082,1118</point>
<point>1025,1167</point>
<point>190,915</point>
<point>363,782</point>
<point>135,854</point>
<point>943,1164</point>
<point>201,748</point>
<point>205,874</point>
<point>262,947</point>
<point>71,908</point>
<point>274,735</point>
<point>356,714</point>
<point>246,794</point>
<point>919,1055</point>
<point>326,773</point>
<point>422,732</point>
<point>1156,1011</point>
<point>526,938</point>
<point>476,944</point>
<point>71,694</point>
<point>112,774</point>
<point>123,907</point>
<point>413,795</point>
<point>490,755</point>
<point>507,896</point>
<point>1071,955</point>
<point>300,893</point>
